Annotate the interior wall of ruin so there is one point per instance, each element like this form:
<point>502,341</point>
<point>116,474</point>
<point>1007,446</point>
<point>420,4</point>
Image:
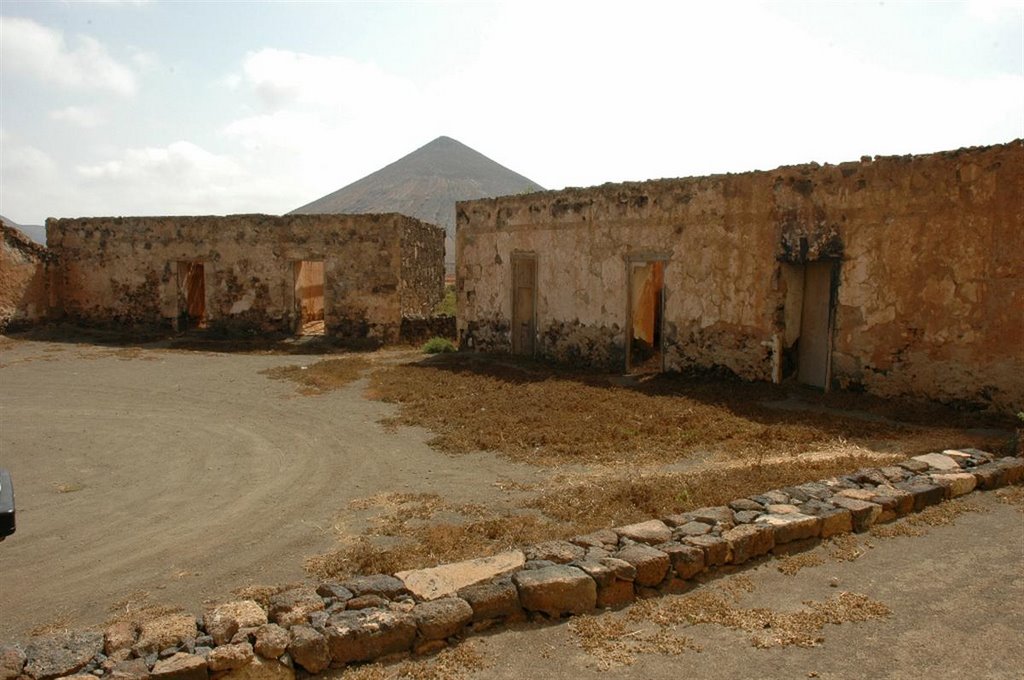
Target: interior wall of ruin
<point>423,268</point>
<point>124,270</point>
<point>24,277</point>
<point>929,294</point>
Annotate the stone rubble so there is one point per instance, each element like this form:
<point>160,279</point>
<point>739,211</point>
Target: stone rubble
<point>422,611</point>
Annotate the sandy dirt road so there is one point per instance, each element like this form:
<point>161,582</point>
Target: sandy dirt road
<point>175,477</point>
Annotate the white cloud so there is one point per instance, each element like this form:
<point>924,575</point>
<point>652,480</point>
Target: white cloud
<point>82,116</point>
<point>34,50</point>
<point>283,78</point>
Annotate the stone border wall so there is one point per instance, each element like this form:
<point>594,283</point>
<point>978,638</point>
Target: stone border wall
<point>366,618</point>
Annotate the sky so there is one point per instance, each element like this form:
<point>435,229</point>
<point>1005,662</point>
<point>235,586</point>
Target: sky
<point>173,107</point>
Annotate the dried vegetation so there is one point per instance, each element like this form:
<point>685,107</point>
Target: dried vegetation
<point>322,376</point>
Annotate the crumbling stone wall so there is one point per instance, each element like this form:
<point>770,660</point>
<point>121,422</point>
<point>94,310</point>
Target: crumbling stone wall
<point>124,270</point>
<point>929,296</point>
<point>24,276</point>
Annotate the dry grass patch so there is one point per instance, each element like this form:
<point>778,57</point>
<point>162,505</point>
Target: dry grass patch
<point>448,664</point>
<point>790,565</point>
<point>322,376</point>
<point>138,608</point>
<point>1012,495</point>
<point>769,628</point>
<point>932,516</point>
<point>549,416</point>
<point>407,535</point>
<point>612,642</point>
<point>846,548</point>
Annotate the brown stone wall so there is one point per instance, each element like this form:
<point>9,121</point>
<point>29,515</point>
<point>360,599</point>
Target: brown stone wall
<point>422,268</point>
<point>125,270</point>
<point>929,291</point>
<point>24,293</point>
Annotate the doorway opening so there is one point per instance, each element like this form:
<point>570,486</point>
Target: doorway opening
<point>644,350</point>
<point>191,295</point>
<point>524,303</point>
<point>309,297</point>
<point>809,321</point>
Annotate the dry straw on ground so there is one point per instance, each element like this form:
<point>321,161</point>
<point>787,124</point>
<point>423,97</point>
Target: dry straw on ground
<point>322,376</point>
<point>452,663</point>
<point>932,516</point>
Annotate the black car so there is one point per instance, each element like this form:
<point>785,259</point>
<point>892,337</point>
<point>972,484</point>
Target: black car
<point>6,505</point>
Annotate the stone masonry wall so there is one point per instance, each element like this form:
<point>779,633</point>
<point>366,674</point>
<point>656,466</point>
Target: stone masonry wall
<point>24,276</point>
<point>422,286</point>
<point>124,271</point>
<point>930,290</point>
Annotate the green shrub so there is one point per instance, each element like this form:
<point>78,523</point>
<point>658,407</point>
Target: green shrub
<point>446,307</point>
<point>438,346</point>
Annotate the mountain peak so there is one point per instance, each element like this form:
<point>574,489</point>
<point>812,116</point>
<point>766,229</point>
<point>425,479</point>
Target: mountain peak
<point>425,184</point>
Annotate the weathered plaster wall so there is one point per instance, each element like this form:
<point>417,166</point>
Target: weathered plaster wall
<point>124,270</point>
<point>24,293</point>
<point>930,296</point>
<point>422,286</point>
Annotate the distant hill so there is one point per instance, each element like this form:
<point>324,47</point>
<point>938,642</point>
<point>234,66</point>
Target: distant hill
<point>425,185</point>
<point>36,232</point>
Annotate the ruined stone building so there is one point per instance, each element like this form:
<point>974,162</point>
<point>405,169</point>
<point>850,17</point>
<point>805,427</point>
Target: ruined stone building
<point>24,279</point>
<point>357,275</point>
<point>897,275</point>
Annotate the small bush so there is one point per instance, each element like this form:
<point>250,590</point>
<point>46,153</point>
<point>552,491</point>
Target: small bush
<point>438,346</point>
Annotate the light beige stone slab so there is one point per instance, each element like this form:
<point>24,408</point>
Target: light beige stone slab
<point>447,579</point>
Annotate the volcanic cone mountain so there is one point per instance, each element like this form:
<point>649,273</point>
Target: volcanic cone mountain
<point>425,185</point>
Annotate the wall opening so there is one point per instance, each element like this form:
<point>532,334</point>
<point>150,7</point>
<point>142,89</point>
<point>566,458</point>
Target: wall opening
<point>309,297</point>
<point>524,303</point>
<point>191,295</point>
<point>809,321</point>
<point>644,351</point>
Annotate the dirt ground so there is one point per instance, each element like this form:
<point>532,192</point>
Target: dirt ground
<point>949,603</point>
<point>151,475</point>
<point>158,476</point>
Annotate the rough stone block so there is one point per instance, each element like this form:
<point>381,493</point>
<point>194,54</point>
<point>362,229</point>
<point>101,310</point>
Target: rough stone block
<point>1014,468</point>
<point>294,606</point>
<point>792,526</point>
<point>938,461</point>
<point>716,549</point>
<point>747,504</point>
<point>651,532</point>
<point>447,579</point>
<point>687,560</point>
<point>712,515</point>
<point>367,634</point>
<point>260,669</point>
<point>376,584</point>
<point>749,540</point>
<point>12,661</point>
<point>230,657</point>
<point>618,593</point>
<point>180,666</point>
<point>924,494</point>
<point>651,564</point>
<point>498,600</point>
<point>271,641</point>
<point>556,590</point>
<point>603,538</point>
<point>171,630</point>
<point>443,618</point>
<point>859,494</point>
<point>120,635</point>
<point>133,669</point>
<point>308,648</point>
<point>693,529</point>
<point>223,621</point>
<point>914,466</point>
<point>956,483</point>
<point>747,516</point>
<point>559,552</point>
<point>863,513</point>
<point>990,476</point>
<point>335,591</point>
<point>897,500</point>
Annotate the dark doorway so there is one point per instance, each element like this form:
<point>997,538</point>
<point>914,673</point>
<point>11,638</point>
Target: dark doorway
<point>524,303</point>
<point>309,297</point>
<point>646,311</point>
<point>814,351</point>
<point>191,295</point>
